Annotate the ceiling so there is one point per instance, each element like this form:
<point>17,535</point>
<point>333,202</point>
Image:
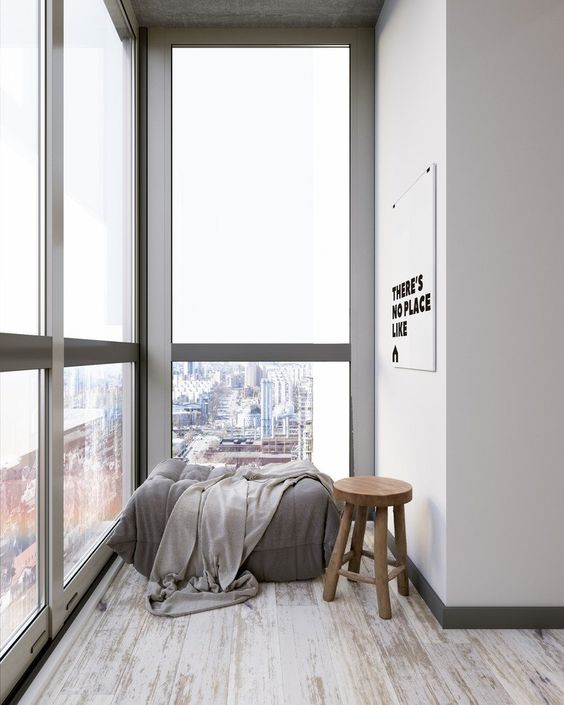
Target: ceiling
<point>257,13</point>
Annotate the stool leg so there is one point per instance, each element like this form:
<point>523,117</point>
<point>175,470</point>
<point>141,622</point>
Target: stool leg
<point>358,538</point>
<point>381,562</point>
<point>336,561</point>
<point>401,548</point>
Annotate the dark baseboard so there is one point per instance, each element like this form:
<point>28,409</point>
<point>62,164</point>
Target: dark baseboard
<point>481,617</point>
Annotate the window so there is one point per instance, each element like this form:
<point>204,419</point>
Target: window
<point>260,254</point>
<point>233,413</point>
<point>260,212</point>
<point>20,592</point>
<point>20,166</point>
<point>97,474</point>
<point>97,175</point>
<point>24,351</point>
<point>98,277</point>
<point>66,436</point>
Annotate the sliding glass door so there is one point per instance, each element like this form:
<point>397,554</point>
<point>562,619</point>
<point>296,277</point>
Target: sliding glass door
<point>98,274</point>
<point>68,348</point>
<point>25,350</point>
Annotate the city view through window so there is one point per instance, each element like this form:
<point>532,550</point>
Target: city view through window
<point>19,444</point>
<point>96,476</point>
<point>97,465</point>
<point>233,414</point>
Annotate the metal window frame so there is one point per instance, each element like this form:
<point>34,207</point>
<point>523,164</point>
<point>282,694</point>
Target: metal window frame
<point>260,352</point>
<point>25,352</point>
<point>159,351</point>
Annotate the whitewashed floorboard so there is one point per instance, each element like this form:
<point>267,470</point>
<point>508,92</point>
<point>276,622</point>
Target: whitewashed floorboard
<point>409,667</point>
<point>255,675</point>
<point>526,669</point>
<point>76,698</point>
<point>556,634</point>
<point>149,675</point>
<point>105,656</point>
<point>297,594</point>
<point>361,675</point>
<point>202,674</point>
<point>118,590</point>
<point>308,670</point>
<point>289,647</point>
<point>468,678</point>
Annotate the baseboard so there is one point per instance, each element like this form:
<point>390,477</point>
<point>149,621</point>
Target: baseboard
<point>481,617</point>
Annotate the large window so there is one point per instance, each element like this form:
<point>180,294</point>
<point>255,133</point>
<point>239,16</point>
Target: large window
<point>66,269</point>
<point>260,254</point>
<point>24,351</point>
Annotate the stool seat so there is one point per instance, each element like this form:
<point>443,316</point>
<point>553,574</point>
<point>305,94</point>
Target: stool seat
<point>373,491</point>
<point>360,493</point>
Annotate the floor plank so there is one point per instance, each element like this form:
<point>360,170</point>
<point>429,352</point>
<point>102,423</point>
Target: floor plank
<point>308,670</point>
<point>255,673</point>
<point>415,678</point>
<point>105,656</point>
<point>361,674</point>
<point>152,666</point>
<point>526,670</point>
<point>468,677</point>
<point>202,674</point>
<point>297,594</point>
<point>289,647</point>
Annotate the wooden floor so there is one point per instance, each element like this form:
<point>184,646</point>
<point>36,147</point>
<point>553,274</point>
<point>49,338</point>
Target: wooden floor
<point>288,646</point>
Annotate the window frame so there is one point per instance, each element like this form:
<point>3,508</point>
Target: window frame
<point>158,347</point>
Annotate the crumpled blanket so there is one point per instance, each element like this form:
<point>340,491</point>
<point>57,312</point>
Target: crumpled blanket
<point>211,531</point>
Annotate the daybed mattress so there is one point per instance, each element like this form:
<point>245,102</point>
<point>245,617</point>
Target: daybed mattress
<point>297,544</point>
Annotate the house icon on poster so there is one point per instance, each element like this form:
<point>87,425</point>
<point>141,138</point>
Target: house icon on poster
<point>395,354</point>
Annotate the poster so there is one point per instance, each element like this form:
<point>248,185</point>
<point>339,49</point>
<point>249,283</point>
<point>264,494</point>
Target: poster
<point>412,291</point>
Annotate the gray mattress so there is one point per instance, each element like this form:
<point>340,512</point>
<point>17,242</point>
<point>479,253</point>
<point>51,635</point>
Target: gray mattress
<point>297,544</point>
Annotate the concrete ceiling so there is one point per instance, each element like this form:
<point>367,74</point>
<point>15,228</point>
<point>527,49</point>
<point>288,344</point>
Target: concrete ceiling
<point>257,13</point>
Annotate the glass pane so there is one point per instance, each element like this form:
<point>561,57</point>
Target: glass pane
<point>260,209</point>
<point>237,413</point>
<point>98,200</point>
<point>20,126</point>
<point>97,472</point>
<point>19,438</point>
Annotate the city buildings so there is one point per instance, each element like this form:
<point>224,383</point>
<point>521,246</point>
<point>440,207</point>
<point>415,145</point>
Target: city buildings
<point>236,413</point>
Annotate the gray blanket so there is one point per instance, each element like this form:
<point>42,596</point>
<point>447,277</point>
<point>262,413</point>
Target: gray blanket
<point>296,545</point>
<point>212,530</point>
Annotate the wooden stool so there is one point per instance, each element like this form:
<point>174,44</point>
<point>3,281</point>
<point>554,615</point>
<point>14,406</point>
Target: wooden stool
<point>362,493</point>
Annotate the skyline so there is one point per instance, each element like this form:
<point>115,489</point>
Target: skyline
<point>233,413</point>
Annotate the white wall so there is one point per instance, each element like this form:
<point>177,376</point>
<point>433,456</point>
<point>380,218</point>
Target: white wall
<point>410,135</point>
<point>482,439</point>
<point>505,272</point>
